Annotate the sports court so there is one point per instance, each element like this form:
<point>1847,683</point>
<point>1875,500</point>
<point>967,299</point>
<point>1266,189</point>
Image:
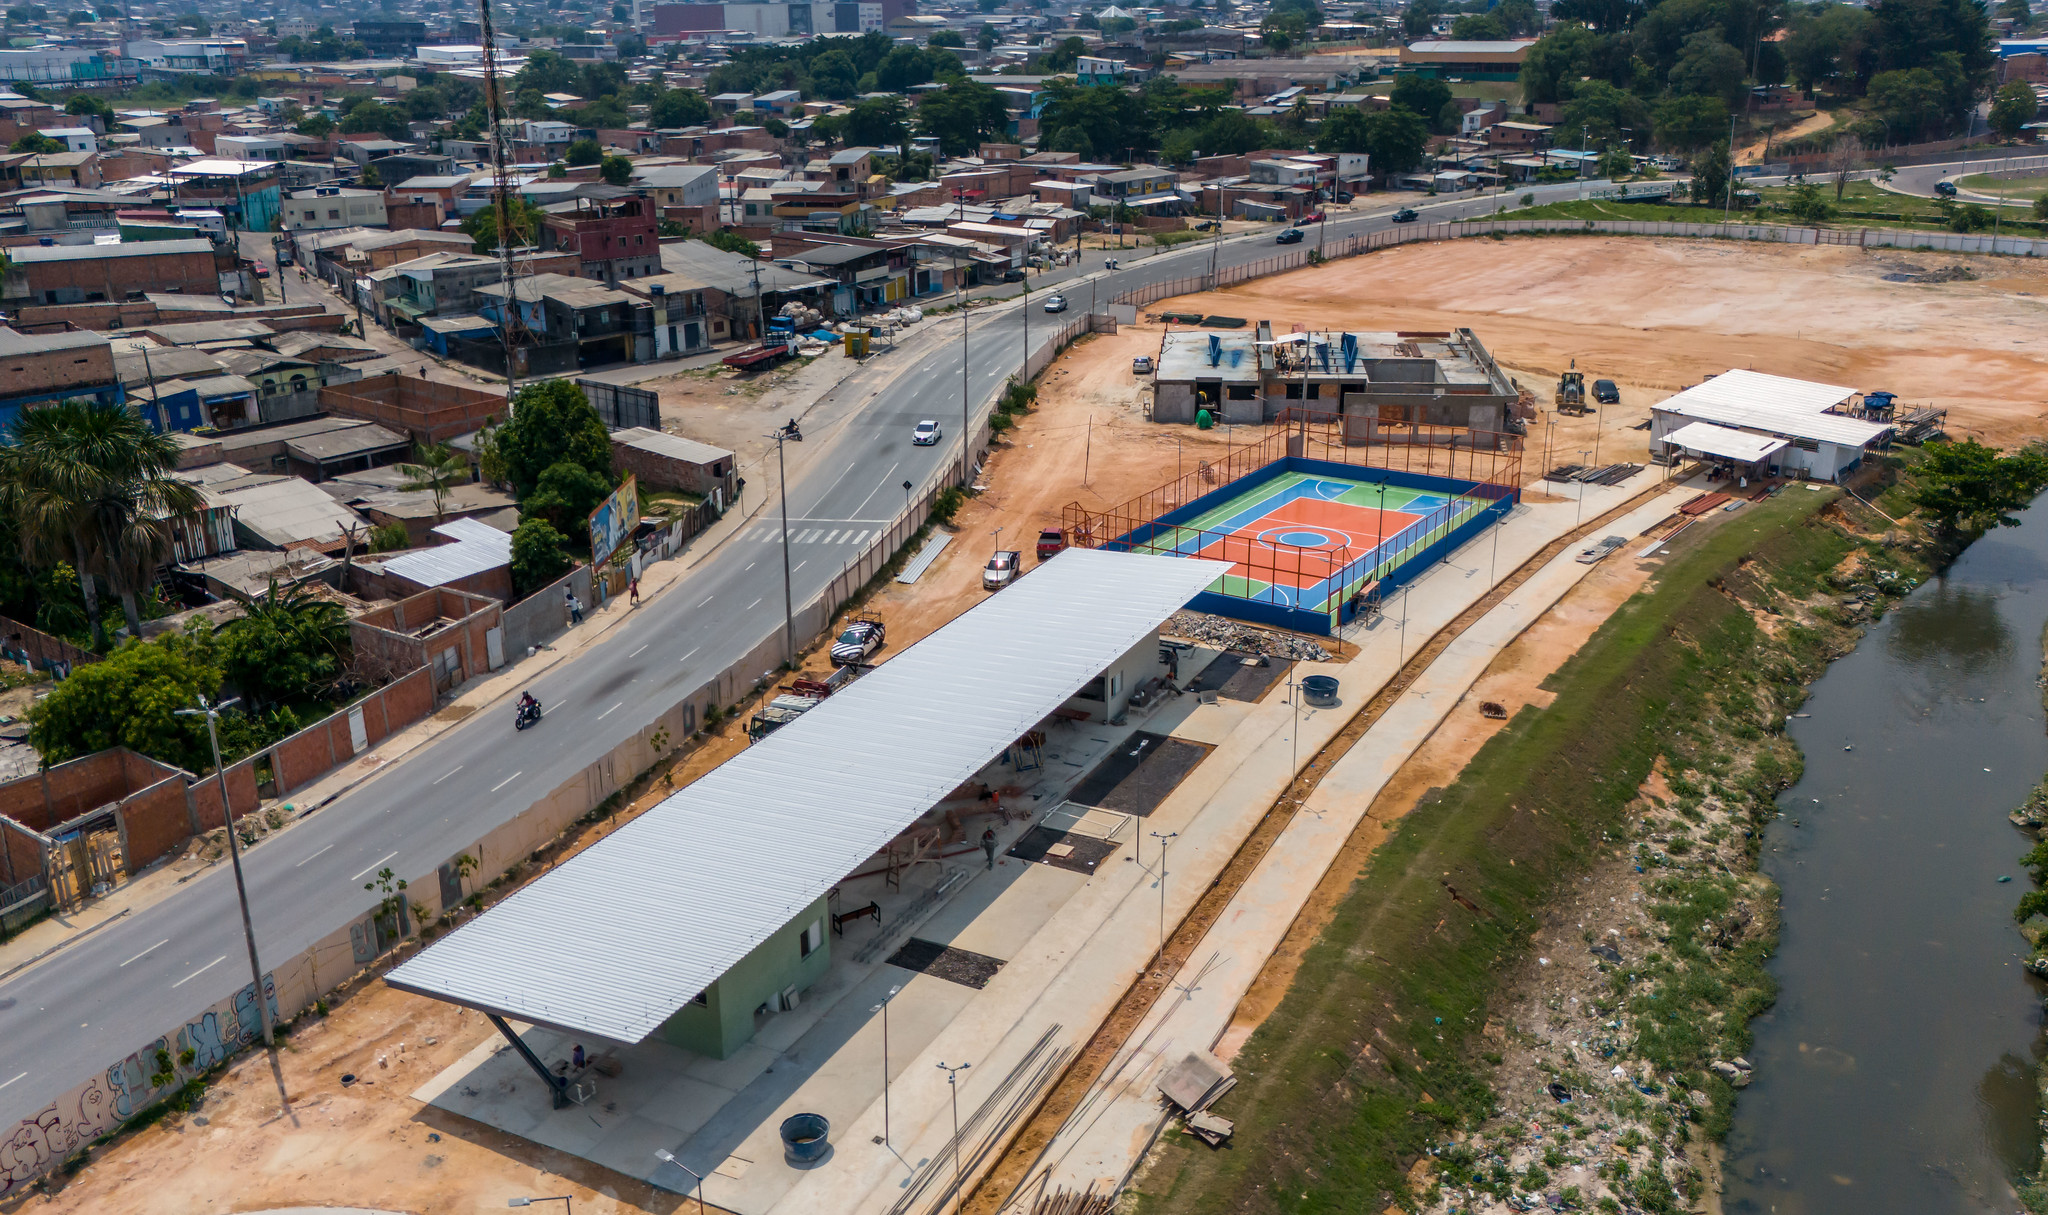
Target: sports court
<point>1309,540</point>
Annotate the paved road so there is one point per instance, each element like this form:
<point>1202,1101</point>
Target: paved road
<point>102,998</point>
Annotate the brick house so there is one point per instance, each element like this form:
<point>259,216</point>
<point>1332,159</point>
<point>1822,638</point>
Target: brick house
<point>612,232</point>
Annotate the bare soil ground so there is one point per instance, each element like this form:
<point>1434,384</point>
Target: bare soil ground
<point>1652,315</point>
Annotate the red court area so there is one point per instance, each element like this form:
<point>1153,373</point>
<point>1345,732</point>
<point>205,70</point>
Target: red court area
<point>1304,541</point>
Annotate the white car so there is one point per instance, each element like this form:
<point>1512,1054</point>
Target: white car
<point>1142,365</point>
<point>926,434</point>
<point>1057,303</point>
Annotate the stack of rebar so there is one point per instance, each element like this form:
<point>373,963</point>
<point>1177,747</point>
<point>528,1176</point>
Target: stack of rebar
<point>1073,1202</point>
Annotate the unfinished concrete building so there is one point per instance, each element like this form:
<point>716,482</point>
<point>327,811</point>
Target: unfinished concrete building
<point>1393,379</point>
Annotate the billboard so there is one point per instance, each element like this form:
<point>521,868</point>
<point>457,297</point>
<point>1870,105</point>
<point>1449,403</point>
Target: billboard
<point>612,523</point>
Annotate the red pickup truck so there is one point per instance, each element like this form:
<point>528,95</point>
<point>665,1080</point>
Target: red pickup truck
<point>1050,542</point>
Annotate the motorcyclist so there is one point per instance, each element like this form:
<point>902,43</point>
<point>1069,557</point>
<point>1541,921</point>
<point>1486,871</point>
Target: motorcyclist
<point>528,706</point>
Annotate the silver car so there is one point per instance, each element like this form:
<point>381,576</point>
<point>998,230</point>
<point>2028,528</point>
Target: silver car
<point>1057,303</point>
<point>926,434</point>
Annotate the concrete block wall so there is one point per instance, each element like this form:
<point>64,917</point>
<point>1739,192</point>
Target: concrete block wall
<point>154,821</point>
<point>205,794</point>
<point>540,617</point>
<point>77,786</point>
<point>327,744</point>
<point>38,649</point>
<point>21,851</point>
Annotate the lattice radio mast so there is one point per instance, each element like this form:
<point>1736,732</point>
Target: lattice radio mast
<point>510,319</point>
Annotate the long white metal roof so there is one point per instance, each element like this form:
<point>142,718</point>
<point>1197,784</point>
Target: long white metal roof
<point>618,938</point>
<point>1752,400</point>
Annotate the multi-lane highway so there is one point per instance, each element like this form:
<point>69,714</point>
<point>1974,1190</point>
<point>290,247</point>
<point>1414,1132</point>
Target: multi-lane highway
<point>105,996</point>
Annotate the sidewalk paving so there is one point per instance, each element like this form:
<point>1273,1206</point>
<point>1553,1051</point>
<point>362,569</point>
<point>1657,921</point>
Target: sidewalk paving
<point>1123,1114</point>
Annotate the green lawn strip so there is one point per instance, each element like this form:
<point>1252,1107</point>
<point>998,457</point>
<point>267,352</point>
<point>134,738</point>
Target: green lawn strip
<point>1369,1061</point>
<point>2025,186</point>
<point>1862,206</point>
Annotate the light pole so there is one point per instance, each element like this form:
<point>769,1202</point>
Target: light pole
<point>1401,649</point>
<point>966,409</point>
<point>1294,699</point>
<point>953,1085</point>
<point>668,1157</point>
<point>527,1202</point>
<point>1164,838</point>
<point>1728,199</point>
<point>1583,127</point>
<point>883,1008</point>
<point>1581,512</point>
<point>212,714</point>
<point>781,436</point>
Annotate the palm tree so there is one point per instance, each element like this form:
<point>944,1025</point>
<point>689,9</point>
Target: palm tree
<point>90,482</point>
<point>439,469</point>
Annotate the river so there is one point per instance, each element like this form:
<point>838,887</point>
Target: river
<point>1895,1074</point>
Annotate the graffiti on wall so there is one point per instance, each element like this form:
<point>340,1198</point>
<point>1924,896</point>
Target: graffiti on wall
<point>130,1085</point>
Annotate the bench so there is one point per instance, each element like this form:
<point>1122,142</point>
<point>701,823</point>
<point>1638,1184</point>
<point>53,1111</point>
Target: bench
<point>840,919</point>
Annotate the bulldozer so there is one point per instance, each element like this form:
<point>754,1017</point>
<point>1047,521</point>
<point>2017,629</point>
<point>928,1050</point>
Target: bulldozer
<point>1571,392</point>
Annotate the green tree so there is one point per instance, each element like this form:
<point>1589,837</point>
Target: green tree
<point>565,495</point>
<point>552,421</point>
<point>583,152</point>
<point>290,646</point>
<point>1950,37</point>
<point>946,38</point>
<point>1420,17</point>
<point>482,227</point>
<point>1607,16</point>
<point>438,469</point>
<point>1394,139</point>
<point>548,72</point>
<point>1685,123</point>
<point>679,108</point>
<point>1711,176</point>
<point>1831,46</point>
<point>1554,66</point>
<point>91,483</point>
<point>86,105</point>
<point>2012,109</point>
<point>371,179</point>
<point>1062,57</point>
<point>1478,27</point>
<point>1808,205</point>
<point>1914,103</point>
<point>1968,487</point>
<point>37,143</point>
<point>131,699</point>
<point>986,37</point>
<point>1423,96</point>
<point>877,122</point>
<point>617,170</point>
<point>368,117</point>
<point>835,76</point>
<point>389,538</point>
<point>319,126</point>
<point>537,556</point>
<point>1709,67</point>
<point>1108,118</point>
<point>962,115</point>
<point>2041,207</point>
<point>1598,113</point>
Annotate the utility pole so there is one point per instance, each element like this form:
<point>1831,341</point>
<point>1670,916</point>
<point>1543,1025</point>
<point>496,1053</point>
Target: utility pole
<point>952,1083</point>
<point>883,1008</point>
<point>1164,838</point>
<point>1728,200</point>
<point>212,714</point>
<point>966,405</point>
<point>789,432</point>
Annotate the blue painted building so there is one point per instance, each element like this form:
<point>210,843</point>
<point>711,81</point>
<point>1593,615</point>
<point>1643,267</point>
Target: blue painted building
<point>45,368</point>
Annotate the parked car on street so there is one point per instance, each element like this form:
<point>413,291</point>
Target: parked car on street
<point>1057,303</point>
<point>1947,189</point>
<point>926,434</point>
<point>859,642</point>
<point>1013,276</point>
<point>1343,196</point>
<point>1288,236</point>
<point>1001,570</point>
<point>1142,365</point>
<point>1406,215</point>
<point>1606,393</point>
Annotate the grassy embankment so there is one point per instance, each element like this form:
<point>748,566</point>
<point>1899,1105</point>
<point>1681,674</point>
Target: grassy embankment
<point>1863,205</point>
<point>1375,1056</point>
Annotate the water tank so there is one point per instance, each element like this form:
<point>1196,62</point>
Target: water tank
<point>805,1138</point>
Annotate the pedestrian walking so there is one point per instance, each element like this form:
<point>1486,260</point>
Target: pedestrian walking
<point>988,845</point>
<point>575,606</point>
<point>633,593</point>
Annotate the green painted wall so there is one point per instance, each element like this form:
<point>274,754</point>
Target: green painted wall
<point>725,1021</point>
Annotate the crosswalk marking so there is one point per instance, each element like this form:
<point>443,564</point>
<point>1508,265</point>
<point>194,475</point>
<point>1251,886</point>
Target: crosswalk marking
<point>834,537</point>
<point>858,536</point>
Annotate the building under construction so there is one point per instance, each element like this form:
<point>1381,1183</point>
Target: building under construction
<point>1442,379</point>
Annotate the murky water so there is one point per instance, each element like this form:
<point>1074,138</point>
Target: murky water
<point>1895,1073</point>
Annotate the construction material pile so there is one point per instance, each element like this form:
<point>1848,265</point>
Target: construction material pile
<point>1220,633</point>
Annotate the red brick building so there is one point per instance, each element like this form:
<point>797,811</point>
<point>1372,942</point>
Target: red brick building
<point>81,274</point>
<point>612,234</point>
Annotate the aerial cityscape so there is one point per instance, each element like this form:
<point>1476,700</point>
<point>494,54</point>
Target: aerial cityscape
<point>898,607</point>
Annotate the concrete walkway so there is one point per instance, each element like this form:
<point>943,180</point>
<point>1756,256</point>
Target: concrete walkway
<point>1122,1115</point>
<point>1072,973</point>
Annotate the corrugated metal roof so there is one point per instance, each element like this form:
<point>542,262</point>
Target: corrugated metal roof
<point>1751,400</point>
<point>478,547</point>
<point>692,886</point>
<point>675,447</point>
<point>1723,441</point>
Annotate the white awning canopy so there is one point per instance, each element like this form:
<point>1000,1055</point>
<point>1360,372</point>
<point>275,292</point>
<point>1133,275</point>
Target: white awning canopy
<point>1726,442</point>
<point>621,936</point>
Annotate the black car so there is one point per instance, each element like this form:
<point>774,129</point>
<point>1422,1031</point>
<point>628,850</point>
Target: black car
<point>1606,393</point>
<point>1013,276</point>
<point>1291,236</point>
<point>1406,215</point>
<point>1947,189</point>
<point>859,642</point>
<point>1343,196</point>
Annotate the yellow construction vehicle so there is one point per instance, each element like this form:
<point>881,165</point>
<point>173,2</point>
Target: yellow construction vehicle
<point>1571,392</point>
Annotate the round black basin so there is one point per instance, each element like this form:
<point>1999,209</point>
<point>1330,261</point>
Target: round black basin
<point>804,1137</point>
<point>1319,690</point>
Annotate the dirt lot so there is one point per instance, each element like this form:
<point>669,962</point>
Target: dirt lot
<point>1652,315</point>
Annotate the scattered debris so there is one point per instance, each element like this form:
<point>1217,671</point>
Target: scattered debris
<point>1217,632</point>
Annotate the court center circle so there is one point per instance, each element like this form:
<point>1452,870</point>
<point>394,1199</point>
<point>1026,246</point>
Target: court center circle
<point>1298,537</point>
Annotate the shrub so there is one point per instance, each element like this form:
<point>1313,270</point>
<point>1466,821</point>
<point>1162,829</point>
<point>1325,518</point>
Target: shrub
<point>948,504</point>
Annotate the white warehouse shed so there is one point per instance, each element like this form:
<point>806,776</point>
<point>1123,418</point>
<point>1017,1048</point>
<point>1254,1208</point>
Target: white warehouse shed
<point>1824,432</point>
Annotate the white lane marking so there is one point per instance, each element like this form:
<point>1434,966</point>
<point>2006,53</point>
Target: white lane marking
<point>834,537</point>
<point>12,1081</point>
<point>756,603</point>
<point>380,860</point>
<point>609,712</point>
<point>151,949</point>
<point>331,845</point>
<point>202,970</point>
<point>707,599</point>
<point>809,535</point>
<point>437,780</point>
<point>884,484</point>
<point>857,537</point>
<point>799,565</point>
<point>750,565</point>
<point>636,653</point>
<point>515,776</point>
<point>686,657</point>
<point>835,482</point>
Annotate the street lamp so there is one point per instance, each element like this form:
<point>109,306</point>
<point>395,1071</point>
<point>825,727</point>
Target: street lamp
<point>1164,838</point>
<point>1581,512</point>
<point>883,1008</point>
<point>668,1157</point>
<point>527,1202</point>
<point>787,433</point>
<point>953,1084</point>
<point>212,714</point>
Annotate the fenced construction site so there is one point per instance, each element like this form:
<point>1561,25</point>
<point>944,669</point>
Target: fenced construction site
<point>1317,528</point>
